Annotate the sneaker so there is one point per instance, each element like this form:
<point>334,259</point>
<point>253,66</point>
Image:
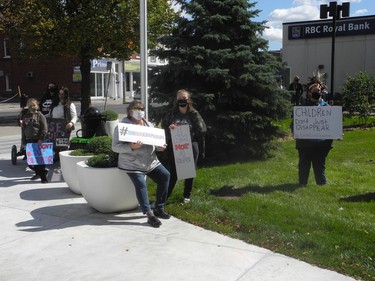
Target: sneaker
<point>35,177</point>
<point>154,221</point>
<point>161,213</point>
<point>186,200</point>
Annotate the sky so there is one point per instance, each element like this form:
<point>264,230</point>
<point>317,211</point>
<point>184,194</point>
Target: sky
<point>277,12</point>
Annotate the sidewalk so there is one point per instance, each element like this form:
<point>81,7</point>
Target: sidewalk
<point>50,233</point>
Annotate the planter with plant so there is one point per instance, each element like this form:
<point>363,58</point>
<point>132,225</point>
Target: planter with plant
<point>105,187</point>
<point>111,121</point>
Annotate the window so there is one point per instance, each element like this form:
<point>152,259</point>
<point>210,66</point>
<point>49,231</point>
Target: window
<point>6,48</point>
<point>7,83</point>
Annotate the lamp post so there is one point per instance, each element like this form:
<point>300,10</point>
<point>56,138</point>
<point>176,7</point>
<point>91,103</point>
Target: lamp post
<point>144,66</point>
<point>335,11</point>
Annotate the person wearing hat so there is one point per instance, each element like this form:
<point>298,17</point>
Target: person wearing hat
<point>296,89</point>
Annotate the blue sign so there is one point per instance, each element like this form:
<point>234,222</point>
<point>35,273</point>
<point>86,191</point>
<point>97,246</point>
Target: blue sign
<point>344,27</point>
<point>39,154</point>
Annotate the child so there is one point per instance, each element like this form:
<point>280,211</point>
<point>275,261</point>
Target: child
<point>34,126</point>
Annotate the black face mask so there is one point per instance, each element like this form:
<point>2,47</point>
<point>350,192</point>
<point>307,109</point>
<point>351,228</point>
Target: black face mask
<point>182,103</point>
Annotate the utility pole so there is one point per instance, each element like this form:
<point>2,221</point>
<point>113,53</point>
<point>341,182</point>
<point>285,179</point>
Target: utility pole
<point>335,11</point>
<point>144,66</point>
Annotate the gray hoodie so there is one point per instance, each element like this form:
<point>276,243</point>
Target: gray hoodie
<point>139,160</point>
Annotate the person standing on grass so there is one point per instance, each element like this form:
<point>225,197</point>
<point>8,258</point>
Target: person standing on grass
<point>183,113</point>
<point>313,151</point>
<point>139,160</point>
<point>296,89</point>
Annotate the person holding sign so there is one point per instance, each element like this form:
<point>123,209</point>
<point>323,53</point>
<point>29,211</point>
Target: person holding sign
<point>313,151</point>
<point>34,126</point>
<point>183,113</point>
<point>65,109</point>
<point>139,160</point>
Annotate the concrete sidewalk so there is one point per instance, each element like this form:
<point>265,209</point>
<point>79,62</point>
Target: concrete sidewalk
<point>49,233</point>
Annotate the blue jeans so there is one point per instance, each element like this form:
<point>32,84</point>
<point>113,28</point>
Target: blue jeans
<point>160,175</point>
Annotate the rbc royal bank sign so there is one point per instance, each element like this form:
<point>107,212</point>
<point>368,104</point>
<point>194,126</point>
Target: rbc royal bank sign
<point>344,27</point>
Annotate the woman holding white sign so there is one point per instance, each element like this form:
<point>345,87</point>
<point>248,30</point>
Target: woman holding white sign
<point>313,151</point>
<point>139,160</point>
<point>183,113</point>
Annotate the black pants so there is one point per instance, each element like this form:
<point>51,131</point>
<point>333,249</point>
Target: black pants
<point>188,183</point>
<point>316,157</point>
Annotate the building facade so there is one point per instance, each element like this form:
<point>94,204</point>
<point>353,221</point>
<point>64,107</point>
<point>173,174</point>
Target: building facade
<point>307,49</point>
<point>109,77</point>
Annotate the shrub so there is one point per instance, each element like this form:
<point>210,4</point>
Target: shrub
<point>110,115</point>
<point>99,145</point>
<point>103,160</point>
<point>101,148</point>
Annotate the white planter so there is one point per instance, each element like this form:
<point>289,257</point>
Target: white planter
<point>69,169</point>
<point>109,127</point>
<point>107,190</point>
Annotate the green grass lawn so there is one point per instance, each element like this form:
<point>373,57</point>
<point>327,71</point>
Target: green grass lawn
<point>260,203</point>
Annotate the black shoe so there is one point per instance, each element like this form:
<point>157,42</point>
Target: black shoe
<point>35,177</point>
<point>161,213</point>
<point>154,221</point>
<point>43,176</point>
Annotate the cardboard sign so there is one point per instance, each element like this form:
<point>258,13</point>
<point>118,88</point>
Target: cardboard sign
<point>147,135</point>
<point>39,155</point>
<point>57,132</point>
<point>183,152</point>
<point>317,122</point>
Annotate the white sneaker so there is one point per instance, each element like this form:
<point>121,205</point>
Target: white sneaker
<point>186,200</point>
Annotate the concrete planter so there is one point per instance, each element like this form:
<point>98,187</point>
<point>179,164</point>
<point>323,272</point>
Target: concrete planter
<point>69,169</point>
<point>108,190</point>
<point>109,127</point>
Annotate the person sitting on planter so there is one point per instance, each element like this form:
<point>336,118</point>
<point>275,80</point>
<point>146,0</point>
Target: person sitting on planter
<point>139,160</point>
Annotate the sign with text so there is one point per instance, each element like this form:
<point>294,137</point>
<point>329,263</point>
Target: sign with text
<point>317,122</point>
<point>57,132</point>
<point>183,152</point>
<point>39,154</point>
<point>324,28</point>
<point>147,135</point>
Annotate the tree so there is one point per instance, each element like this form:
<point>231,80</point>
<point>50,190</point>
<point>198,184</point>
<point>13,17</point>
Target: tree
<point>85,29</point>
<point>217,53</point>
<point>359,95</point>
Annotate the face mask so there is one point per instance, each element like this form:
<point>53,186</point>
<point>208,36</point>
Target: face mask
<point>33,108</point>
<point>138,114</point>
<point>182,103</point>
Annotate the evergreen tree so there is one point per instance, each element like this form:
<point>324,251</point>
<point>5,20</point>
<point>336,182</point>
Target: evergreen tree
<point>216,52</point>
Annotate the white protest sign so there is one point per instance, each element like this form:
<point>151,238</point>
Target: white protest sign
<point>183,152</point>
<point>317,122</point>
<point>147,135</point>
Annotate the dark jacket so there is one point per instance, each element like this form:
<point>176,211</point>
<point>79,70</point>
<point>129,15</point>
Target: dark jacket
<point>47,102</point>
<point>34,126</point>
<point>197,125</point>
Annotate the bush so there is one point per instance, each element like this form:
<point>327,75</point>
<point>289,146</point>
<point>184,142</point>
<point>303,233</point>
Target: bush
<point>101,148</point>
<point>110,115</point>
<point>99,145</point>
<point>103,160</point>
<point>359,95</point>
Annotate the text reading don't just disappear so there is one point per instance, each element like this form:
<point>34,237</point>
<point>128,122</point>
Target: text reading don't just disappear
<point>318,111</point>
